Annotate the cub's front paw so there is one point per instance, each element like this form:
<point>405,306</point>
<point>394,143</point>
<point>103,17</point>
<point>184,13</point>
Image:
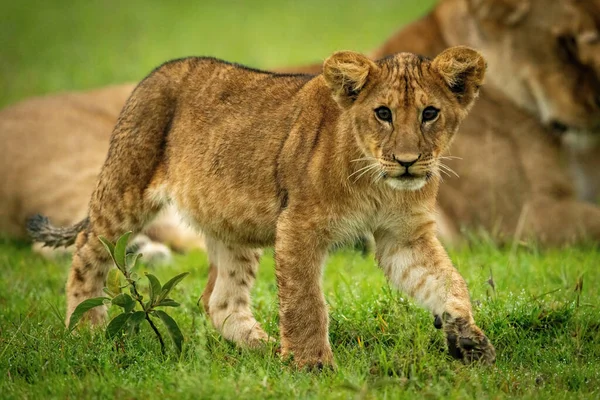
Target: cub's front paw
<point>468,343</point>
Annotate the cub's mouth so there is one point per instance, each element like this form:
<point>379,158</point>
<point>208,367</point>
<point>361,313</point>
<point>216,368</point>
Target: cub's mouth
<point>407,180</point>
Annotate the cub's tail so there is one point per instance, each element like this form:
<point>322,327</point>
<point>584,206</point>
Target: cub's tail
<point>40,230</point>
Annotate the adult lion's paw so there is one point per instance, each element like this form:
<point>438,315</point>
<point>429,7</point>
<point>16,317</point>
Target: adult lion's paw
<point>468,343</point>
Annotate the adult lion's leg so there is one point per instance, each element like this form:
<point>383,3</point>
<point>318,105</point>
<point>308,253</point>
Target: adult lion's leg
<point>168,228</point>
<point>303,316</point>
<point>424,271</point>
<point>226,298</point>
<point>560,222</point>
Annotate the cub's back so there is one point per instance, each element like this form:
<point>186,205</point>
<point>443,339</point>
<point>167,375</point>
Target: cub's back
<point>226,135</point>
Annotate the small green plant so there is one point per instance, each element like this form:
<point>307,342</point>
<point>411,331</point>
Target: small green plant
<point>135,309</point>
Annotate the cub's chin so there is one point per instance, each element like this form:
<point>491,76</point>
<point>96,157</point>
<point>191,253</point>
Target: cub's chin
<point>406,182</point>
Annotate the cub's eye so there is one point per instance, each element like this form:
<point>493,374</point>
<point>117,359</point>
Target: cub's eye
<point>384,114</point>
<point>430,113</point>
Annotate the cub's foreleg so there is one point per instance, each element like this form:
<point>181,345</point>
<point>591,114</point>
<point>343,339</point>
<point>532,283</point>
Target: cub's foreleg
<point>303,320</point>
<point>423,270</point>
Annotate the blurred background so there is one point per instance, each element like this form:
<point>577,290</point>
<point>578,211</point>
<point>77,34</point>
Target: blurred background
<point>50,46</point>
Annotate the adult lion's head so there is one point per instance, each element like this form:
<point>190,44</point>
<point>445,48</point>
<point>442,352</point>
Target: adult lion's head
<point>543,54</point>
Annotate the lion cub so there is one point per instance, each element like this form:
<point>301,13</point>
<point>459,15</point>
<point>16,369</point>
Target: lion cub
<point>301,162</point>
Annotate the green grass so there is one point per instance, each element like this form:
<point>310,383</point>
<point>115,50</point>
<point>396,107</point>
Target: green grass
<point>73,44</point>
<point>547,334</point>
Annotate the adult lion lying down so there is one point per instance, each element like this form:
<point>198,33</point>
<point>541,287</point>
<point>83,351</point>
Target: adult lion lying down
<point>301,162</point>
<point>53,149</point>
<point>541,73</point>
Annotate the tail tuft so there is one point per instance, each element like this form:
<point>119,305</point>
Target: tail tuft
<point>40,230</point>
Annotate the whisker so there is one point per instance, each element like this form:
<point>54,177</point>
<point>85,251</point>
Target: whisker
<point>362,169</point>
<point>377,174</point>
<point>448,169</point>
<point>448,174</point>
<point>372,166</point>
<point>439,175</point>
<point>441,171</point>
<point>450,158</point>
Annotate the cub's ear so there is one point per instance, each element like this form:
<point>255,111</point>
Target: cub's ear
<point>499,12</point>
<point>463,70</point>
<point>346,73</point>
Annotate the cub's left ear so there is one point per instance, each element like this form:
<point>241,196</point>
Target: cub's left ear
<point>463,70</point>
<point>347,73</point>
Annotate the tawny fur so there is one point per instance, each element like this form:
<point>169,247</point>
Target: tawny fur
<point>53,150</point>
<point>301,162</point>
<point>510,163</point>
<point>512,181</point>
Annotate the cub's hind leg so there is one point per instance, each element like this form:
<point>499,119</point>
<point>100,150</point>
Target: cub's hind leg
<point>131,185</point>
<point>226,298</point>
<point>91,261</point>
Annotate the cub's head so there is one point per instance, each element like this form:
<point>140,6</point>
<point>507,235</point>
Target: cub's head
<point>543,54</point>
<point>404,110</point>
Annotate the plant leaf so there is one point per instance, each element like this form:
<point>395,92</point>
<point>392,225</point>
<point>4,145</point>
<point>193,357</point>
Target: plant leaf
<point>124,300</point>
<point>172,328</point>
<point>110,248</point>
<point>120,250</point>
<point>113,282</point>
<point>166,289</point>
<point>155,287</point>
<point>168,303</point>
<point>117,324</point>
<point>131,260</point>
<point>84,306</point>
<point>136,319</point>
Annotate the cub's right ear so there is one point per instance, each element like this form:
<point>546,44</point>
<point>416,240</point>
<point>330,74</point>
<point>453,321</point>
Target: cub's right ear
<point>346,73</point>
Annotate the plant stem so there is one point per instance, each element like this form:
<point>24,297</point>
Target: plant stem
<point>138,297</point>
<point>137,294</point>
<point>160,339</point>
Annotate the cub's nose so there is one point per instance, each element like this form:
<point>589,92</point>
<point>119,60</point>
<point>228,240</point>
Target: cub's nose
<point>406,160</point>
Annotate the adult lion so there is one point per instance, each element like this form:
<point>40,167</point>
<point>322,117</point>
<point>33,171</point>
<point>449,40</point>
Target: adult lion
<point>54,148</point>
<point>542,79</point>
